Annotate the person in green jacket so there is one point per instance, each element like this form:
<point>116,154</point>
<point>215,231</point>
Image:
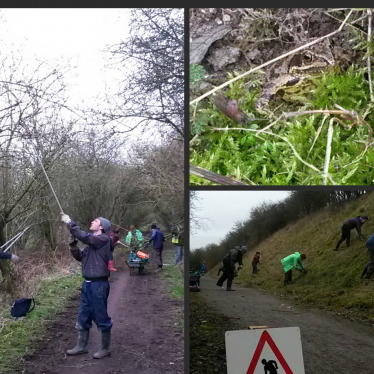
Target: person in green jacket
<point>134,238</point>
<point>290,262</point>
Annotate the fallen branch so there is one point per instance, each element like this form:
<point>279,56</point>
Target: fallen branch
<point>370,16</point>
<point>213,177</point>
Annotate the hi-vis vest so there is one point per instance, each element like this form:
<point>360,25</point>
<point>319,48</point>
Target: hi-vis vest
<point>175,237</point>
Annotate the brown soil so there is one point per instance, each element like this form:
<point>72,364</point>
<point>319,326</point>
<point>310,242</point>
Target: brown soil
<point>145,336</point>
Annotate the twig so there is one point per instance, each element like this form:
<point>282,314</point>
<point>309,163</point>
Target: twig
<point>316,137</point>
<point>328,151</point>
<point>343,111</point>
<point>273,60</point>
<point>370,15</point>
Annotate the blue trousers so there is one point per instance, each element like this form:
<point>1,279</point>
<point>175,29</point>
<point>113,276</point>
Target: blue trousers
<point>178,254</point>
<point>94,301</point>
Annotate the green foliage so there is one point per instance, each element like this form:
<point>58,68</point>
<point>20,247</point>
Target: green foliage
<point>267,159</point>
<point>196,73</point>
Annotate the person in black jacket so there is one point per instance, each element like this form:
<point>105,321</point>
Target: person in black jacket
<point>8,256</point>
<point>95,289</point>
<point>234,256</point>
<point>348,226</point>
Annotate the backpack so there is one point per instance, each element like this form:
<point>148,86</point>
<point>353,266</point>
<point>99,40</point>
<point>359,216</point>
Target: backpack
<point>21,307</point>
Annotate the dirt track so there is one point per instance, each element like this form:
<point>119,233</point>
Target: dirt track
<point>330,344</point>
<point>145,338</point>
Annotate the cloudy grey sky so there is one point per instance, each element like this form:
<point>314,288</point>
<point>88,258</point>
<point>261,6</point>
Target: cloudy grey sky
<point>61,35</point>
<point>223,209</point>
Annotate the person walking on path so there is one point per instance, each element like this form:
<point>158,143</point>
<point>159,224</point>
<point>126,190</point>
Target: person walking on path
<point>178,240</point>
<point>158,239</point>
<point>234,256</point>
<point>95,289</point>
<point>203,268</point>
<point>290,262</point>
<point>369,268</point>
<point>348,225</point>
<point>134,239</point>
<point>255,262</point>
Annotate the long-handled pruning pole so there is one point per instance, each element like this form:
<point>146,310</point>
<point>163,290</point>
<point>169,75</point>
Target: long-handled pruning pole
<point>46,175</point>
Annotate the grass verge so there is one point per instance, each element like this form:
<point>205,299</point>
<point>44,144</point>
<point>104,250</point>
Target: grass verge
<point>207,337</point>
<point>172,277</point>
<point>20,338</point>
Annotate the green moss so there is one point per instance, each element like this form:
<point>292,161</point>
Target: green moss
<point>269,160</point>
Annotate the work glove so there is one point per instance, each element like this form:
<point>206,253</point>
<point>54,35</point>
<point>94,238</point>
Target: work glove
<point>65,218</point>
<point>14,258</point>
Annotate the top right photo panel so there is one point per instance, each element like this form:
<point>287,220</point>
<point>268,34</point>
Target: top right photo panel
<point>281,96</point>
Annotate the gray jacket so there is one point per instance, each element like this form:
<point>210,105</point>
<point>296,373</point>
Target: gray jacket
<point>95,256</point>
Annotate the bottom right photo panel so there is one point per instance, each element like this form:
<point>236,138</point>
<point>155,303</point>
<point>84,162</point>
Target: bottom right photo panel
<point>281,281</point>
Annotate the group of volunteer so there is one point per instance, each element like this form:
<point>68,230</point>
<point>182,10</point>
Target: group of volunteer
<point>295,260</point>
<point>97,263</point>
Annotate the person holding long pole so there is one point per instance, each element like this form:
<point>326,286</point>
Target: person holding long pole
<point>95,289</point>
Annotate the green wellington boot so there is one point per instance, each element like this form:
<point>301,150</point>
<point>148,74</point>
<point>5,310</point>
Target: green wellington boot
<point>81,346</point>
<point>105,345</point>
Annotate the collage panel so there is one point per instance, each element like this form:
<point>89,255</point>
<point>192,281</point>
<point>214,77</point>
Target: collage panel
<point>281,96</point>
<point>92,190</point>
<point>281,281</point>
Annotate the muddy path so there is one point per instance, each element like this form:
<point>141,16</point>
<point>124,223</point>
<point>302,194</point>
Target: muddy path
<point>331,344</point>
<point>145,336</point>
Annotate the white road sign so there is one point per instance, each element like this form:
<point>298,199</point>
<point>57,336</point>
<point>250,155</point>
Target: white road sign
<point>264,351</point>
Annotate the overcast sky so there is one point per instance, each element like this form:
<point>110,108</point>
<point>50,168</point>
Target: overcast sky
<point>58,35</point>
<point>224,208</point>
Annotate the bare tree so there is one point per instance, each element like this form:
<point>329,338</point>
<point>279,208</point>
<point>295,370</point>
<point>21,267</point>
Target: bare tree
<point>151,62</point>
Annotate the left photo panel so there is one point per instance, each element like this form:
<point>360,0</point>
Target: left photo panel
<point>92,190</point>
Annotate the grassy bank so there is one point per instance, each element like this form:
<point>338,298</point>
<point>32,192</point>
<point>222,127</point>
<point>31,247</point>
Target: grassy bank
<point>207,337</point>
<point>19,338</point>
<point>172,274</point>
<point>172,277</point>
<point>333,279</point>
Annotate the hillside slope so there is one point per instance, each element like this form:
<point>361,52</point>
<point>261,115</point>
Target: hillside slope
<point>333,279</point>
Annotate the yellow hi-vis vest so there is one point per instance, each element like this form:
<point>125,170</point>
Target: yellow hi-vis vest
<point>175,239</point>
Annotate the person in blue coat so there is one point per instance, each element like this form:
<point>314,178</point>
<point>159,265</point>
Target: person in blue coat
<point>158,239</point>
<point>203,268</point>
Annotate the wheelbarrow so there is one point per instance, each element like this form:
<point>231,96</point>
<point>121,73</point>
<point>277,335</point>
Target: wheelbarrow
<point>135,265</point>
<point>194,283</point>
<point>137,260</point>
